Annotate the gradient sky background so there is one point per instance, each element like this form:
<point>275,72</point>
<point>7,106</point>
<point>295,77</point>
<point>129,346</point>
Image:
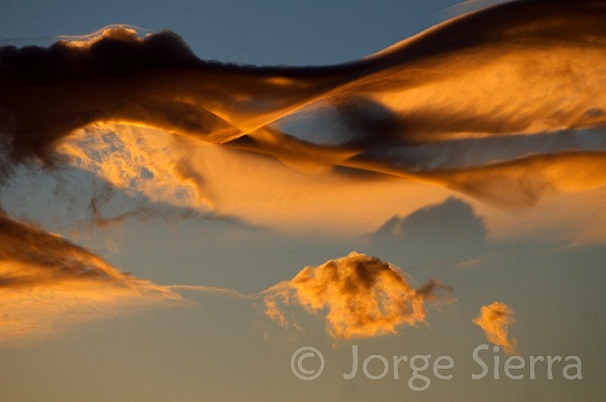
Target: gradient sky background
<point>545,262</point>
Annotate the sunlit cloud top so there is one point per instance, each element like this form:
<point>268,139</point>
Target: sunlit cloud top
<point>48,283</point>
<point>361,297</point>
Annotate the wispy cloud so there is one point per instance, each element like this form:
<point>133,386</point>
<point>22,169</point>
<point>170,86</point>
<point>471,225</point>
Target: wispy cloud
<point>495,319</point>
<point>48,283</point>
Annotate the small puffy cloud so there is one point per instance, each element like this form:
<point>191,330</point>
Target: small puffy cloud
<point>494,319</point>
<point>360,296</point>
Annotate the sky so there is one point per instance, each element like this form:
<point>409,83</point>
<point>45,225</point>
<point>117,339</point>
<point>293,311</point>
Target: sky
<point>302,201</point>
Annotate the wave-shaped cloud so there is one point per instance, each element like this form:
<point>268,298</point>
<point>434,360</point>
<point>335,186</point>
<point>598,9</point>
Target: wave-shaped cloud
<point>526,69</point>
<point>522,68</point>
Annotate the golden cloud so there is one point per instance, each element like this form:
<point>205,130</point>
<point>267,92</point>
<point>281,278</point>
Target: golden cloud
<point>360,297</point>
<point>494,319</point>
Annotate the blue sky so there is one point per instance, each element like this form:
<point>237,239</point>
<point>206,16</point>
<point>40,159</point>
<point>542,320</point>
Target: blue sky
<point>256,32</point>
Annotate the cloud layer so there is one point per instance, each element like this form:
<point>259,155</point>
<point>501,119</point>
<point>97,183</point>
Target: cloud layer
<point>526,68</point>
<point>506,104</point>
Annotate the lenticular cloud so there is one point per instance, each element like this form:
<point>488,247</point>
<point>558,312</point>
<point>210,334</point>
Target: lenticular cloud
<point>527,68</point>
<point>506,104</point>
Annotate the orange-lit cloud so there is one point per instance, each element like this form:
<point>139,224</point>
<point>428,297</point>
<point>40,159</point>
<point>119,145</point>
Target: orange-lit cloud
<point>48,283</point>
<point>527,68</point>
<point>494,319</point>
<point>360,296</point>
<point>148,162</point>
<point>505,104</point>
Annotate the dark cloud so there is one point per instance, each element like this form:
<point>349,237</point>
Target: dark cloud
<point>450,222</point>
<point>447,231</point>
<point>461,79</point>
